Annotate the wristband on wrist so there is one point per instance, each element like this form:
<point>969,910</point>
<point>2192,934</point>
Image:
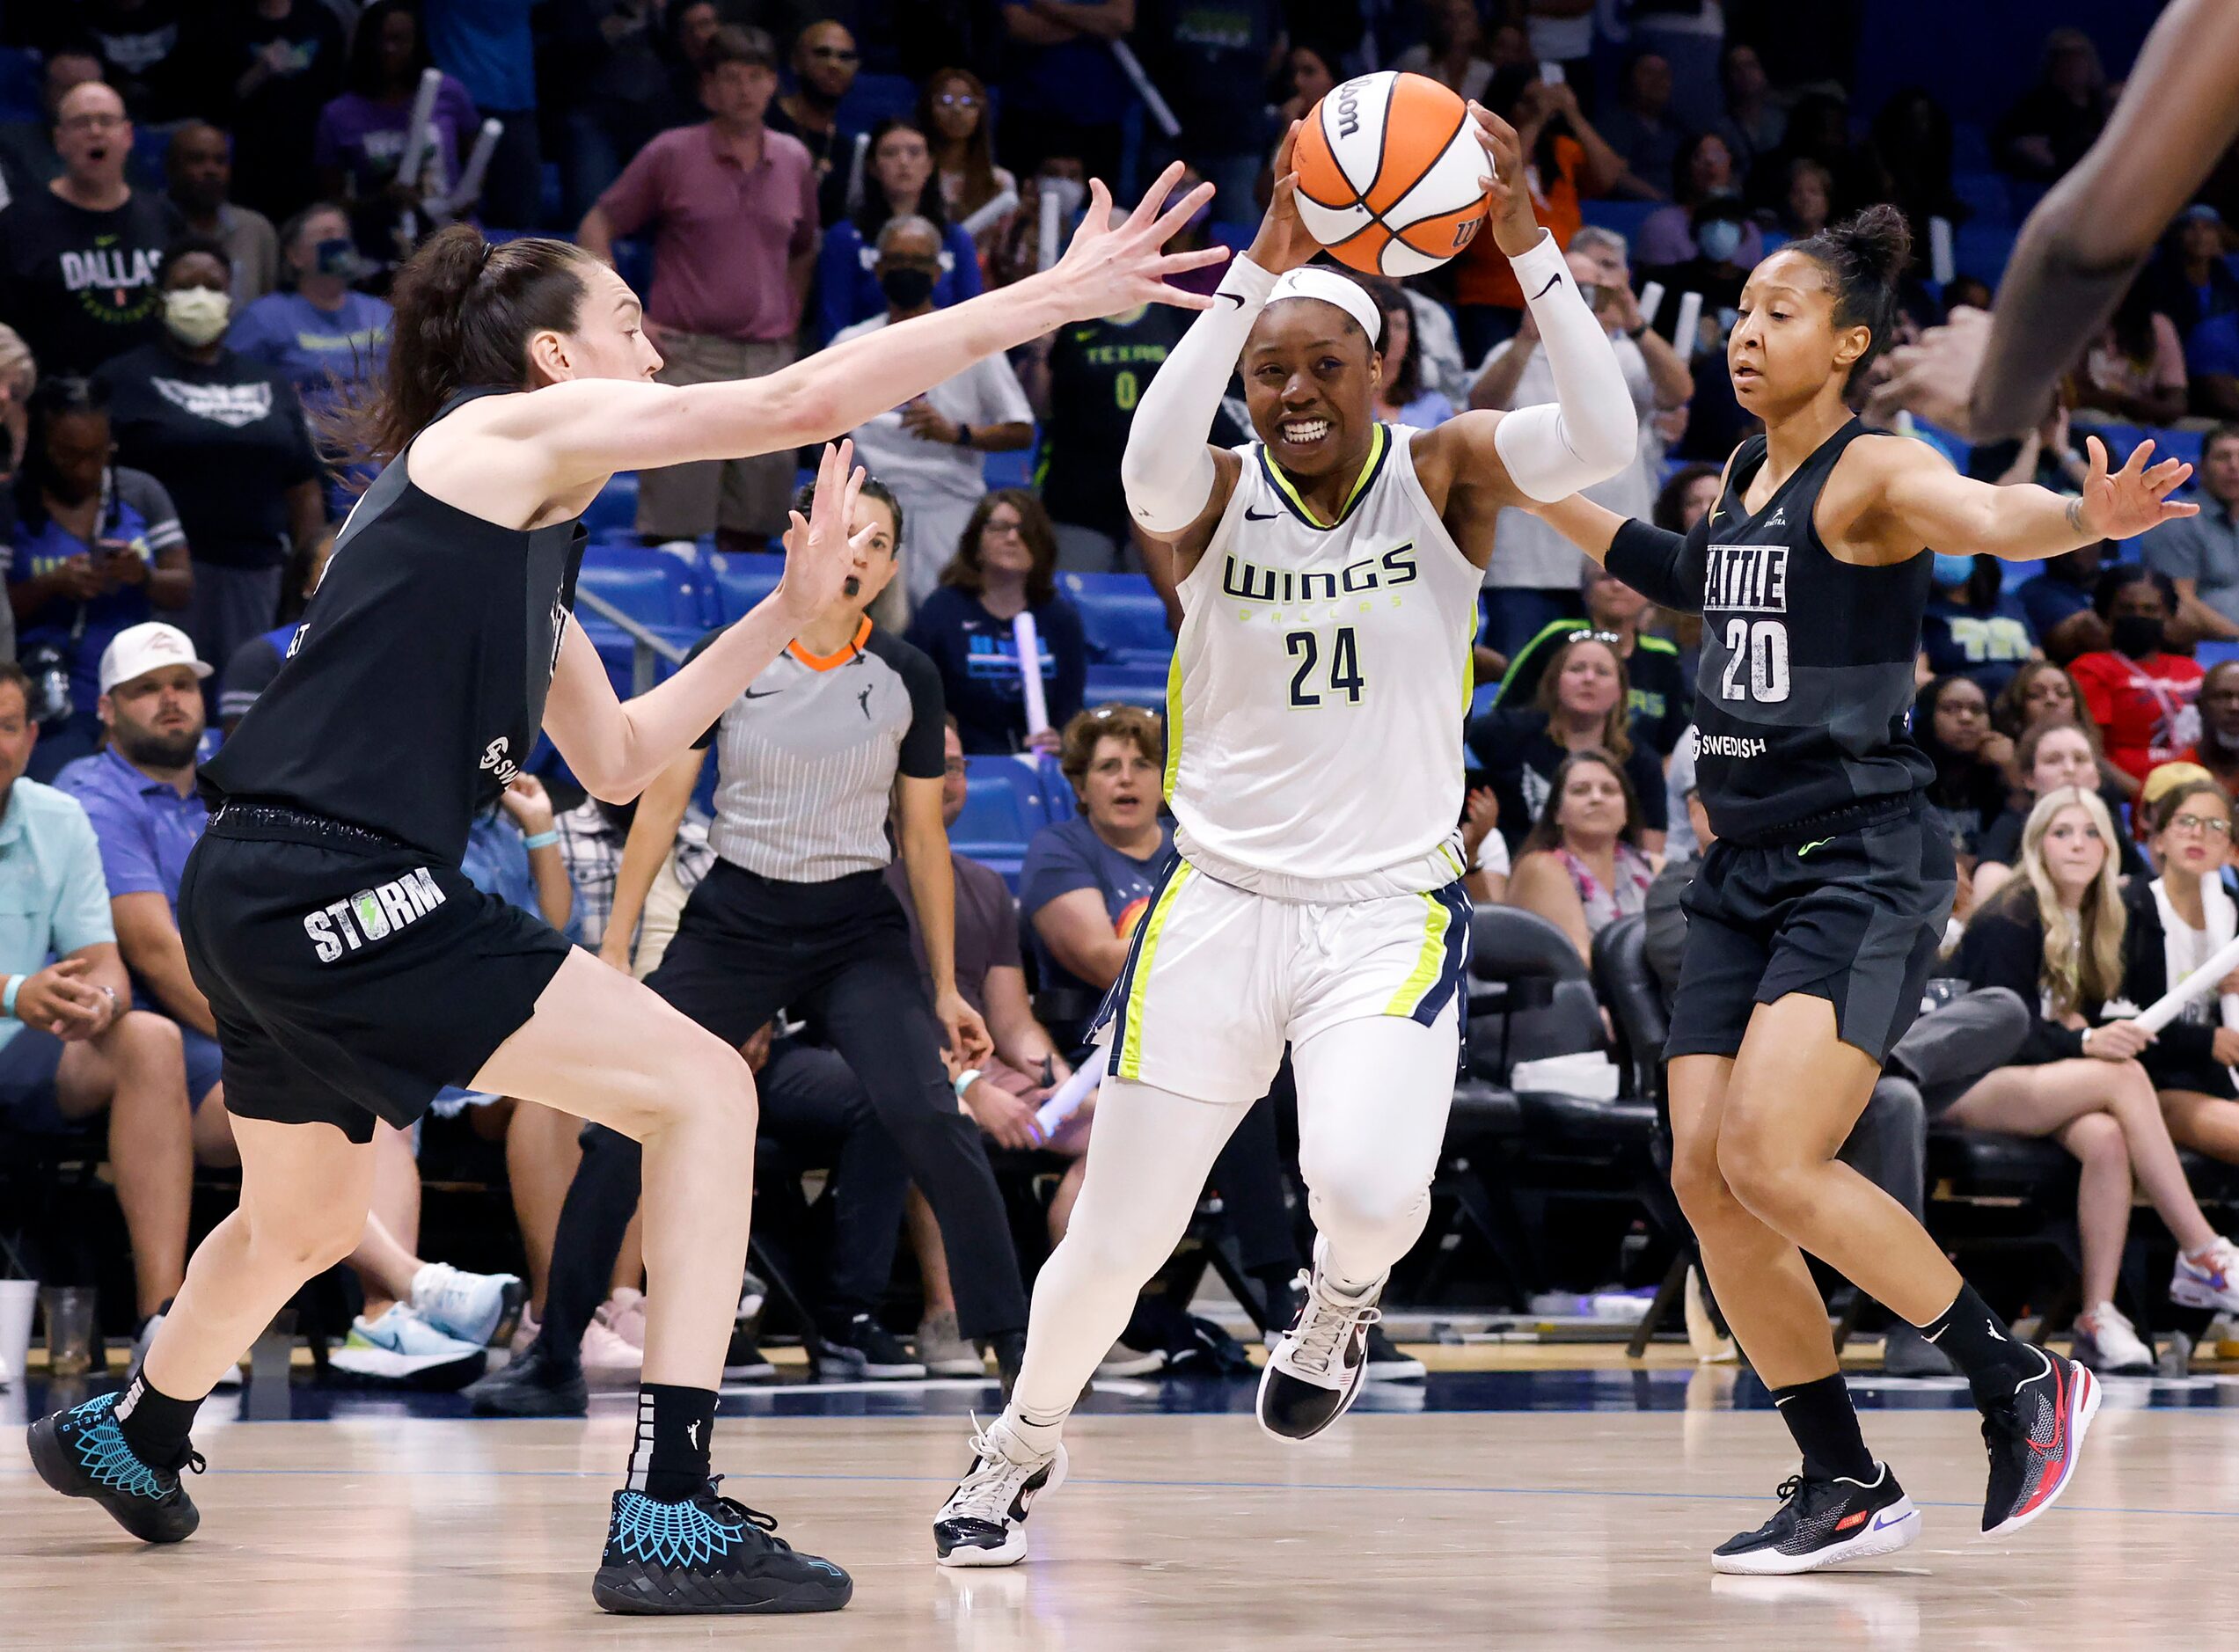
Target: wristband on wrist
<point>8,997</point>
<point>542,840</point>
<point>963,435</point>
<point>965,1080</point>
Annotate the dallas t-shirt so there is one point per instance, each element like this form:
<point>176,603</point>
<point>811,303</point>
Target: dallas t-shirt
<point>2144,708</point>
<point>1070,856</point>
<point>80,286</point>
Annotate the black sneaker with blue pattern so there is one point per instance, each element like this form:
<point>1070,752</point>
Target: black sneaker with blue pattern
<point>708,1554</point>
<point>82,1452</point>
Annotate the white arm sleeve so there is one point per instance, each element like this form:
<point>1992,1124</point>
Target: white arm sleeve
<point>1589,432</point>
<point>1167,470</point>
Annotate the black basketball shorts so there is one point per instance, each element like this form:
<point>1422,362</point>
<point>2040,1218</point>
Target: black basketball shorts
<point>1853,914</point>
<point>351,976</point>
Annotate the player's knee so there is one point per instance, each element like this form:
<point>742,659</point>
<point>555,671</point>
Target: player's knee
<point>1760,1172</point>
<point>1359,1201</point>
<point>709,1090</point>
<point>303,1243</point>
<point>1701,1188</point>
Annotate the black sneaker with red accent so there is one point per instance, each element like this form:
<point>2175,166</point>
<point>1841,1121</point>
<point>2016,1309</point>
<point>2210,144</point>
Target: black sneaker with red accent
<point>1824,1522</point>
<point>2035,1436</point>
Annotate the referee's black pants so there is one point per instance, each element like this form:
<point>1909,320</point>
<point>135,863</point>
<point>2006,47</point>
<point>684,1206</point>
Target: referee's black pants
<point>837,955</point>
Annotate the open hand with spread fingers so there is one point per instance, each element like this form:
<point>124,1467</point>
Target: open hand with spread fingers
<point>2128,502</point>
<point>1108,267</point>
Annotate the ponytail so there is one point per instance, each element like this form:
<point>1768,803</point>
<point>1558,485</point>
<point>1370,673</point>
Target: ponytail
<point>1863,257</point>
<point>466,311</point>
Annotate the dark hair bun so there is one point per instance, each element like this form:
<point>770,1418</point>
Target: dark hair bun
<point>1878,240</point>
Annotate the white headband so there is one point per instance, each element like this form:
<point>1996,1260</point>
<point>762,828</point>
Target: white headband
<point>1332,288</point>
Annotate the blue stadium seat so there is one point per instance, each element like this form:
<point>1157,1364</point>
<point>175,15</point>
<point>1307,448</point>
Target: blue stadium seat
<point>2214,654</point>
<point>634,263</point>
<point>1982,250</point>
<point>1143,685</point>
<point>1004,805</point>
<point>741,579</point>
<point>21,87</point>
<point>1624,216</point>
<point>1121,617</point>
<point>656,587</point>
<point>1014,468</point>
<point>872,97</point>
<point>614,512</point>
<point>1986,192</point>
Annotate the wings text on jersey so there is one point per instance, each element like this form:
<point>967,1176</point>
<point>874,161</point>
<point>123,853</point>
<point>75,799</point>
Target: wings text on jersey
<point>1256,584</point>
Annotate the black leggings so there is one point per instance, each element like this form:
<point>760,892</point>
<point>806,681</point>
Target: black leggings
<point>838,954</point>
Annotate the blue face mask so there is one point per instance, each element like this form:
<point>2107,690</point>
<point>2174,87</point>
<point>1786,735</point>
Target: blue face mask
<point>1719,239</point>
<point>1951,570</point>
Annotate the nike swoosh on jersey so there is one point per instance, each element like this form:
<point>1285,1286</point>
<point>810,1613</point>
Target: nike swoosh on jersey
<point>1259,516</point>
<point>1234,298</point>
<point>1554,281</point>
<point>762,694</point>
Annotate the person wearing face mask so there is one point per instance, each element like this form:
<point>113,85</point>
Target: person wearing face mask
<point>1721,226</point>
<point>98,548</point>
<point>226,435</point>
<point>323,336</point>
<point>929,449</point>
<point>1971,627</point>
<point>2141,697</point>
<point>900,184</point>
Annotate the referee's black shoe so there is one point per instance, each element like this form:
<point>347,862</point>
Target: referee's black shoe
<point>82,1452</point>
<point>707,1555</point>
<point>1824,1522</point>
<point>537,1384</point>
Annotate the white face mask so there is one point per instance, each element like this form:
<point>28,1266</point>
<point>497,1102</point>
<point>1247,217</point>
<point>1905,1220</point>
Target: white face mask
<point>197,315</point>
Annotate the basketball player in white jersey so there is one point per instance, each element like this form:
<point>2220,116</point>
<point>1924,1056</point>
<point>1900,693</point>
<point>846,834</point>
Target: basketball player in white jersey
<point>1329,575</point>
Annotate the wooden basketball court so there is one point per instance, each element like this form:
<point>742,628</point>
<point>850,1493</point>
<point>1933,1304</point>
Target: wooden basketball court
<point>1445,1528</point>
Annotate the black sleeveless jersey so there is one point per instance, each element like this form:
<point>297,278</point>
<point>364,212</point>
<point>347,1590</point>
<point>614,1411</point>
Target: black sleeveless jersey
<point>416,686</point>
<point>1807,662</point>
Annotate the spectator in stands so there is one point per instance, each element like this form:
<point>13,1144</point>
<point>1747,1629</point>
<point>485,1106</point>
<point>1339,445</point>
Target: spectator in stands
<point>29,160</point>
<point>2217,749</point>
<point>1064,93</point>
<point>1483,849</point>
<point>71,1047</point>
<point>1568,162</point>
<point>139,793</point>
<point>624,67</point>
<point>1581,865</point>
<point>1452,51</point>
<point>489,46</point>
<point>79,259</point>
<point>1401,396</point>
<point>954,113</point>
<point>149,53</point>
<point>2059,602</point>
<point>1819,130</point>
<point>1911,142</point>
<point>1704,168</point>
<point>1952,726</point>
<point>2047,456</point>
<point>2139,695</point>
<point>928,450</point>
<point>1311,69</point>
<point>2048,755</point>
<point>1535,573</point>
<point>2212,367</point>
<point>324,337</point>
<point>1972,292</point>
<point>18,377</point>
<point>2039,692</point>
<point>1659,698</point>
<point>98,547</point>
<point>732,211</point>
<point>1973,626</point>
<point>198,165</point>
<point>2176,921</point>
<point>2200,554</point>
<point>1211,63</point>
<point>1581,706</point>
<point>1642,128</point>
<point>899,184</point>
<point>359,147</point>
<point>226,437</point>
<point>1088,880</point>
<point>1753,124</point>
<point>2135,370</point>
<point>257,661</point>
<point>2053,123</point>
<point>279,62</point>
<point>1720,225</point>
<point>824,65</point>
<point>2055,937</point>
<point>1808,202</point>
<point>2196,285</point>
<point>1005,565</point>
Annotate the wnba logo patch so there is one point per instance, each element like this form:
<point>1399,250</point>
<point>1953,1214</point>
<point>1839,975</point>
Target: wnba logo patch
<point>371,915</point>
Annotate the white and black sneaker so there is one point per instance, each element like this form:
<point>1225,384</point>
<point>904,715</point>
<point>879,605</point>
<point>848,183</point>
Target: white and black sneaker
<point>864,1350</point>
<point>1824,1522</point>
<point>984,1521</point>
<point>1318,1366</point>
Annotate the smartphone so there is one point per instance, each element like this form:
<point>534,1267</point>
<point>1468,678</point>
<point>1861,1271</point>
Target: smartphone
<point>1551,74</point>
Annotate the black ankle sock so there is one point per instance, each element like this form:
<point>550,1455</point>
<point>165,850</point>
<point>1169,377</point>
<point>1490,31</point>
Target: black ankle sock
<point>1982,1345</point>
<point>1826,1428</point>
<point>669,1462</point>
<point>154,1424</point>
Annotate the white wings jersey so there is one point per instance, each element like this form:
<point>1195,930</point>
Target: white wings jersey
<point>1315,704</point>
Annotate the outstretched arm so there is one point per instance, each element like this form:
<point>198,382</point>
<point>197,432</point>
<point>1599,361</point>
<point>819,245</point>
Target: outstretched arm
<point>1924,502</point>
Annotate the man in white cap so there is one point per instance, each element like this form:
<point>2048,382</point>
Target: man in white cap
<point>139,792</point>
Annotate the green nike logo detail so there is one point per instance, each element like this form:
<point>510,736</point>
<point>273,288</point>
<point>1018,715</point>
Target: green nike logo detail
<point>1817,842</point>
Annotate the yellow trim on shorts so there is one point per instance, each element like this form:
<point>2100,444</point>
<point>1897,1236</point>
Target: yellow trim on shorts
<point>1427,962</point>
<point>1173,716</point>
<point>1131,1061</point>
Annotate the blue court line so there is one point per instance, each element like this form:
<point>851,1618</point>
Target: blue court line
<point>1146,1485</point>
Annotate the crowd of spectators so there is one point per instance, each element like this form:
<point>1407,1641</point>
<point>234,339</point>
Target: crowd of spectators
<point>200,219</point>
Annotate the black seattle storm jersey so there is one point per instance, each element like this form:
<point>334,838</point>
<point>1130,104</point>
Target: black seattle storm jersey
<point>416,686</point>
<point>1807,662</point>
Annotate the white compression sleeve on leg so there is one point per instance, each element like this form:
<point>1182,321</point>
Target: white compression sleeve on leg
<point>1590,431</point>
<point>1167,470</point>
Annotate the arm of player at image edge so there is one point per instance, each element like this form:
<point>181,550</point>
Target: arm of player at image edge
<point>590,429</point>
<point>1930,503</point>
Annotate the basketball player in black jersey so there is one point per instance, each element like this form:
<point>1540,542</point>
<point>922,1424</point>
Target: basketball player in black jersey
<point>354,970</point>
<point>1817,915</point>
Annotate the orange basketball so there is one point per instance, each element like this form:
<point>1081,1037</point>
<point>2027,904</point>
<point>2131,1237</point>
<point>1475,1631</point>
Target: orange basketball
<point>1387,174</point>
